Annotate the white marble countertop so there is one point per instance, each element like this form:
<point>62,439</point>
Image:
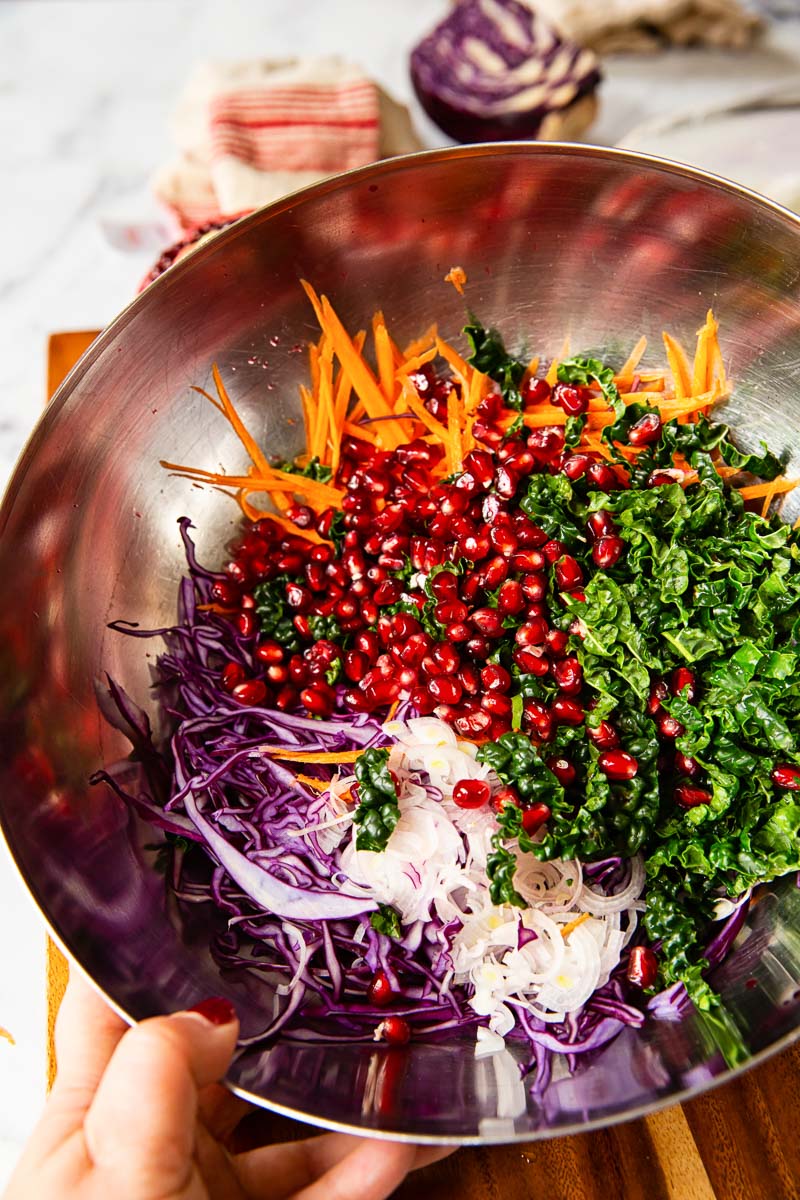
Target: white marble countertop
<point>85,90</point>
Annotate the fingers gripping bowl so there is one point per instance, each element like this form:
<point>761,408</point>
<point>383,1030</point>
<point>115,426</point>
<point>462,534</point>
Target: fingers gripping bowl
<point>594,243</point>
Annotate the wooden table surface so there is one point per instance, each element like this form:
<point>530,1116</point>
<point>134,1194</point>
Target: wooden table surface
<point>738,1142</point>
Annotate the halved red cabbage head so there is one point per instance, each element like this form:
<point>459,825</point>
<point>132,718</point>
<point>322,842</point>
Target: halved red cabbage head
<point>494,70</point>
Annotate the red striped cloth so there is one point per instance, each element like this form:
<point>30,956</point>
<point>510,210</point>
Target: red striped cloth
<point>250,132</point>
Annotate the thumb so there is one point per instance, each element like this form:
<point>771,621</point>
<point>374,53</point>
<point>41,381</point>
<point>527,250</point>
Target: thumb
<point>141,1123</point>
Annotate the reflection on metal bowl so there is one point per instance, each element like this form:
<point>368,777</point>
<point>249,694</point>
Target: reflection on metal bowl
<point>599,244</point>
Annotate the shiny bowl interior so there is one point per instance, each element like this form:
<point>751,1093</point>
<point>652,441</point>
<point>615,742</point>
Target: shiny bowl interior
<point>601,245</point>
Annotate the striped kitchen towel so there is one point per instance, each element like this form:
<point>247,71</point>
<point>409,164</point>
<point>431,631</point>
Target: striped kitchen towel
<point>249,132</point>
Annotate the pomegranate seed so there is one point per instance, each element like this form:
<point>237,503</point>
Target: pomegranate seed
<point>494,573</point>
<point>535,391</point>
<point>251,692</point>
<point>225,592</point>
<point>545,443</point>
<point>379,992</point>
<point>568,573</point>
<point>556,642</point>
<point>474,546</point>
<point>784,775</point>
<point>689,796</point>
<point>660,479</point>
<point>444,585</point>
<point>368,643</point>
<point>231,675</point>
<point>642,969</point>
<point>510,598</point>
<point>470,679</point>
<point>502,539</point>
<point>473,724</point>
<point>488,621</point>
<point>471,793</point>
<point>532,633</point>
<point>567,712</point>
<point>604,735</point>
<point>445,689</point>
<point>478,647</point>
<point>528,560</point>
<point>534,586</point>
<point>668,726</point>
<point>289,564</point>
<point>369,612</point>
<point>618,764</point>
<point>528,535</point>
<point>575,466</point>
<point>497,704</point>
<point>658,692</point>
<point>601,476</point>
<point>538,719</point>
<point>479,464</point>
<point>553,550</point>
<point>277,674</point>
<point>447,658</point>
<point>573,400</point>
<point>600,524</point>
<point>246,623</point>
<point>319,698</point>
<point>506,482</point>
<point>534,817</point>
<point>298,669</point>
<point>298,597</point>
<point>388,592</point>
<point>563,770</point>
<point>458,632</point>
<point>607,551</point>
<point>568,674</point>
<point>421,699</point>
<point>506,795</point>
<point>495,678</point>
<point>646,430</point>
<point>683,681</point>
<point>393,1030</point>
<point>404,625</point>
<point>531,662</point>
<point>356,665</point>
<point>448,611</point>
<point>381,690</point>
<point>348,607</point>
<point>519,459</point>
<point>685,765</point>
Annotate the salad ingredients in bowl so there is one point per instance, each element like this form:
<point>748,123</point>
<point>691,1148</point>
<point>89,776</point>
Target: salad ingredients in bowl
<point>490,723</point>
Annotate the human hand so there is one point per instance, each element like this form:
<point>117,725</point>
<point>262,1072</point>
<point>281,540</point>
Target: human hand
<point>137,1114</point>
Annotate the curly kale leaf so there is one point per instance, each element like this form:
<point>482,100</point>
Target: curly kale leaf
<point>378,809</point>
<point>489,356</point>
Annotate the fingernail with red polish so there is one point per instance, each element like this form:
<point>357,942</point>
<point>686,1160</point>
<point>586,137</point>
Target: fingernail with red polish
<point>216,1009</point>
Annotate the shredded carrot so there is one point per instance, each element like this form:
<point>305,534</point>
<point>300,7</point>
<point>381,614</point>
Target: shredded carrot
<point>552,370</point>
<point>531,369</point>
<point>458,277</point>
<point>415,362</point>
<point>392,710</point>
<point>776,488</point>
<point>454,450</point>
<point>453,357</point>
<point>679,366</point>
<point>421,413</point>
<point>768,498</point>
<point>567,929</point>
<point>8,1037</point>
<point>301,755</point>
<point>318,785</point>
<point>421,344</point>
<point>628,368</point>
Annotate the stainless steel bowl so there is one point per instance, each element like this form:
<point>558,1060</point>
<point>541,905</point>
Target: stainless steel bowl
<point>599,244</point>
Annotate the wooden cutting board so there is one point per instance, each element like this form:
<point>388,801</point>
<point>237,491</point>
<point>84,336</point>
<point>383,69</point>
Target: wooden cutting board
<point>739,1142</point>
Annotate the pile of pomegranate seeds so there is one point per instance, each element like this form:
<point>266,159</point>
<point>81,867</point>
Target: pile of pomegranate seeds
<point>429,587</point>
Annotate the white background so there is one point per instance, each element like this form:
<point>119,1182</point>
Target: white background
<point>86,87</point>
